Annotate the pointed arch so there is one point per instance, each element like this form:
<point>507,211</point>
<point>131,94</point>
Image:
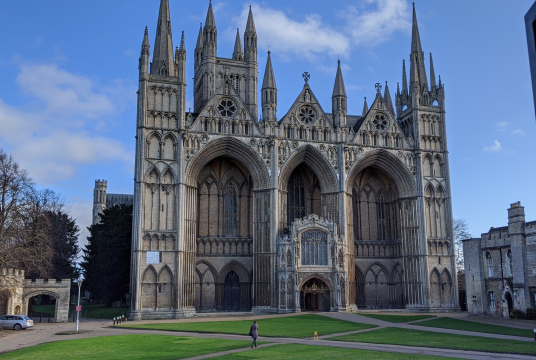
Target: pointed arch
<point>326,280</point>
<point>390,164</point>
<point>238,268</point>
<point>168,176</point>
<point>229,147</point>
<point>312,157</point>
<point>152,175</point>
<point>149,288</point>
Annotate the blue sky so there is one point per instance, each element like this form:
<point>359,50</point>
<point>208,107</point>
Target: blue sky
<point>68,75</point>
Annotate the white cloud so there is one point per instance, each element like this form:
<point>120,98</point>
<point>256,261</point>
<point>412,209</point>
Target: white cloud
<point>306,37</point>
<point>518,132</point>
<point>57,132</point>
<point>496,147</point>
<point>370,27</point>
<point>502,124</point>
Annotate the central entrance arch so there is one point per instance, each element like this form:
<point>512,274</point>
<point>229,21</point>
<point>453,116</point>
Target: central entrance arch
<point>231,292</point>
<point>315,296</point>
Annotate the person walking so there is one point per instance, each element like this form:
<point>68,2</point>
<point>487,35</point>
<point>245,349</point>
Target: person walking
<point>254,333</point>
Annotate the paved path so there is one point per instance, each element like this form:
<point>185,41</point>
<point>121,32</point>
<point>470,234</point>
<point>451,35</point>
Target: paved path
<point>368,320</point>
<point>42,333</point>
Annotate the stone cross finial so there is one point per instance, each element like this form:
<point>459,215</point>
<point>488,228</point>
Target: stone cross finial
<point>306,76</point>
<point>378,87</point>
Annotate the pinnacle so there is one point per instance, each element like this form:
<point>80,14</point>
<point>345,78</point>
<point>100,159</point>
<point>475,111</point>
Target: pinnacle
<point>210,16</point>
<point>269,78</point>
<point>250,26</point>
<point>338,87</point>
<point>238,54</point>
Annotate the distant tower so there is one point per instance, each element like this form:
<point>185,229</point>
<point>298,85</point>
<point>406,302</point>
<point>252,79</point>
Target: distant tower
<point>99,199</point>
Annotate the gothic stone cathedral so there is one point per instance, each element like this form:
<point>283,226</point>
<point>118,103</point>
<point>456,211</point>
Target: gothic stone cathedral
<point>306,211</point>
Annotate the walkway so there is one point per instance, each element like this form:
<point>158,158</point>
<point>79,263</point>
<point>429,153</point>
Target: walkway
<point>42,333</point>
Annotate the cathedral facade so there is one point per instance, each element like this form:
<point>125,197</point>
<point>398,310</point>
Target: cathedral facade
<point>305,210</point>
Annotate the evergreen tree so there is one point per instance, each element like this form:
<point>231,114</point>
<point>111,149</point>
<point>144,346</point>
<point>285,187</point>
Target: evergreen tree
<point>106,264</point>
<point>63,233</point>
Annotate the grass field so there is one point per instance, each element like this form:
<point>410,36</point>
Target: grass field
<point>456,324</point>
<point>94,311</point>
<point>132,347</point>
<point>301,326</point>
<point>306,352</point>
<point>397,318</point>
<point>440,340</point>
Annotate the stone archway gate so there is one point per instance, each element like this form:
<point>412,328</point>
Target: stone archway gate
<point>22,290</point>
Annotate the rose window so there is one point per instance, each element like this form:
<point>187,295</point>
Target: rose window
<point>227,108</point>
<point>307,114</point>
<point>380,122</point>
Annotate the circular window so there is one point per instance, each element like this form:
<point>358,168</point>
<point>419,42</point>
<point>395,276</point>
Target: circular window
<point>307,114</point>
<point>227,108</point>
<point>380,122</point>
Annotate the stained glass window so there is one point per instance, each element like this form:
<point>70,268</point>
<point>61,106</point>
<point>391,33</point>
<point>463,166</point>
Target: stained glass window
<point>314,247</point>
<point>296,199</point>
<point>230,210</point>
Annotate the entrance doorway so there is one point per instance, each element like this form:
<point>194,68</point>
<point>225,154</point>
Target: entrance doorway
<point>509,301</point>
<point>231,292</point>
<point>315,296</point>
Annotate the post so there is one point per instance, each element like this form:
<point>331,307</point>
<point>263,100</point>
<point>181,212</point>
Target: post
<point>78,306</point>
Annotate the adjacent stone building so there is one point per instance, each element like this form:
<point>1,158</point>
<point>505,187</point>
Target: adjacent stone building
<point>102,200</point>
<point>237,209</point>
<point>500,267</point>
<point>17,291</point>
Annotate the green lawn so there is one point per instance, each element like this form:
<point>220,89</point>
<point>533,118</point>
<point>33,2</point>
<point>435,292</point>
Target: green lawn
<point>301,326</point>
<point>308,352</point>
<point>131,347</point>
<point>94,311</point>
<point>456,324</point>
<point>440,340</point>
<point>397,318</point>
<point>102,312</point>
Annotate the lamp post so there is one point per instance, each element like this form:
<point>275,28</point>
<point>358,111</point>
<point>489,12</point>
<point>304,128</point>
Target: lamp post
<point>79,282</point>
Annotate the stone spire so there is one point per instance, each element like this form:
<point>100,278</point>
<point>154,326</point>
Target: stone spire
<point>145,54</point>
<point>404,78</point>
<point>388,100</point>
<point>338,88</point>
<point>238,54</point>
<point>432,74</point>
<point>250,39</point>
<point>269,78</point>
<point>339,99</point>
<point>365,108</point>
<point>163,45</point>
<point>269,92</point>
<point>210,34</point>
<point>180,58</point>
<point>417,70</point>
<point>199,48</point>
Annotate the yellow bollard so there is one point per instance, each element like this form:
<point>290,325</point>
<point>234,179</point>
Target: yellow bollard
<point>316,336</point>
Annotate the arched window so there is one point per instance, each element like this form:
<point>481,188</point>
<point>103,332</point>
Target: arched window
<point>375,140</point>
<point>314,244</point>
<point>246,129</point>
<point>325,135</point>
<point>381,217</point>
<point>230,210</point>
<point>490,264</point>
<point>509,262</point>
<point>301,133</point>
<point>206,125</point>
<point>295,199</point>
<point>219,126</point>
<point>313,134</point>
<point>289,132</point>
<point>397,142</point>
<point>355,211</point>
<point>233,128</point>
<point>364,139</point>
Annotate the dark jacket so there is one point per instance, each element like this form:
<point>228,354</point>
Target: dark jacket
<point>254,331</point>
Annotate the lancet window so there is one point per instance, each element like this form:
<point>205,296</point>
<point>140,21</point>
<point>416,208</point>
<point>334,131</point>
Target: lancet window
<point>314,244</point>
<point>230,210</point>
<point>296,199</point>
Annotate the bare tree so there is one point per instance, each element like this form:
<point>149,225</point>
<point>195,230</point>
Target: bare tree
<point>24,240</point>
<point>461,232</point>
